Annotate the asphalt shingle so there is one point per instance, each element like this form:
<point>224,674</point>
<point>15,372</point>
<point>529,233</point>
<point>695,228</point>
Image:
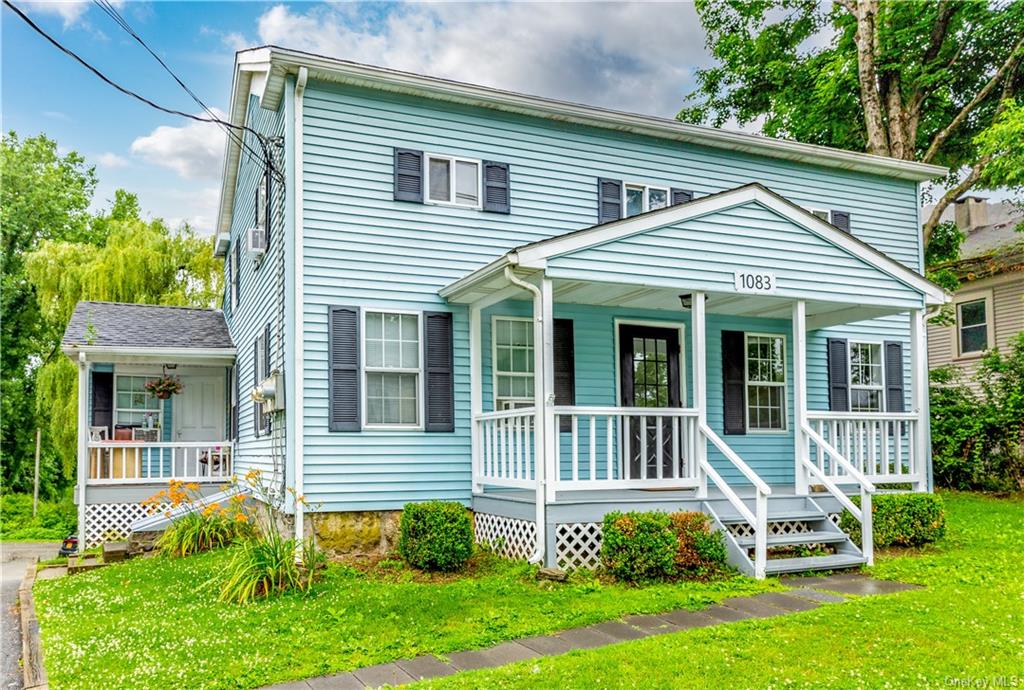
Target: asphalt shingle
<point>115,324</point>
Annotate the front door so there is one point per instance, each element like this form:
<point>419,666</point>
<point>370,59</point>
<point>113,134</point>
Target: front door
<point>199,409</point>
<point>649,377</point>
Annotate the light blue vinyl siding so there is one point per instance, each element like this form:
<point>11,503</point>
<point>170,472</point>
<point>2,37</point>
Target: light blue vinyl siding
<point>362,248</point>
<point>703,253</point>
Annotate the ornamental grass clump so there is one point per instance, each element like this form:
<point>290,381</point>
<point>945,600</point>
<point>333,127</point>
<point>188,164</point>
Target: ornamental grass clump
<point>437,535</point>
<point>203,527</point>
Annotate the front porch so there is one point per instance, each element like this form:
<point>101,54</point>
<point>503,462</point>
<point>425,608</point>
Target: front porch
<point>659,365</point>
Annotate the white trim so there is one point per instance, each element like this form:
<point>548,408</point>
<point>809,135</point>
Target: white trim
<point>116,409</point>
<point>83,443</point>
<point>784,385</point>
<point>535,255</point>
<point>494,361</point>
<point>475,395</point>
<point>959,300</point>
<point>646,203</point>
<point>363,370</point>
<point>299,317</point>
<point>800,445</point>
<point>679,326</point>
<point>166,354</point>
<point>850,342</point>
<point>452,175</point>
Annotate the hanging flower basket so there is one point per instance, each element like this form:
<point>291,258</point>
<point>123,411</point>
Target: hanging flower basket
<point>164,387</point>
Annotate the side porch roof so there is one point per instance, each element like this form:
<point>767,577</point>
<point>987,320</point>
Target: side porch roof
<point>696,246</point>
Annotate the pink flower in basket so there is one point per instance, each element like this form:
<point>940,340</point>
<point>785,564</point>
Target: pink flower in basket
<point>164,387</point>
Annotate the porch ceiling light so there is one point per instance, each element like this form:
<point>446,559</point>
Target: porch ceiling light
<point>686,302</point>
<point>170,366</point>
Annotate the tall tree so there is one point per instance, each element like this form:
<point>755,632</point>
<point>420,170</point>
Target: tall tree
<point>921,81</point>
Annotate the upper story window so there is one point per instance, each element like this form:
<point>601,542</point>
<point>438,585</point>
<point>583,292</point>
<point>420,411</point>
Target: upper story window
<point>765,368</point>
<point>453,180</point>
<point>866,377</point>
<point>391,345</point>
<point>640,198</point>
<point>972,326</point>
<point>821,213</point>
<point>513,363</point>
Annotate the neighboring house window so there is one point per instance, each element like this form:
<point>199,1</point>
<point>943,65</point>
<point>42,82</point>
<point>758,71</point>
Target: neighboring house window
<point>453,181</point>
<point>513,363</point>
<point>639,198</point>
<point>765,368</point>
<point>972,326</point>
<point>866,377</point>
<point>392,368</point>
<point>133,404</point>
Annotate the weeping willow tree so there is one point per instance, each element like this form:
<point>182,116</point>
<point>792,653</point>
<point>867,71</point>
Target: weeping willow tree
<point>140,261</point>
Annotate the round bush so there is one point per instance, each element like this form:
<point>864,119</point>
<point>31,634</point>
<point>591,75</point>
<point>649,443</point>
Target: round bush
<point>909,519</point>
<point>699,550</point>
<point>638,547</point>
<point>436,536</point>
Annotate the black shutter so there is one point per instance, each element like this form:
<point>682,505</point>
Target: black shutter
<point>227,283</point>
<point>681,196</point>
<point>266,371</point>
<point>343,364</point>
<point>440,379</point>
<point>236,273</point>
<point>408,175</point>
<point>497,188</point>
<point>236,384</point>
<point>734,385</point>
<point>609,200</point>
<point>103,401</point>
<point>840,219</point>
<point>256,421</point>
<point>565,368</point>
<point>893,376</point>
<point>838,375</point>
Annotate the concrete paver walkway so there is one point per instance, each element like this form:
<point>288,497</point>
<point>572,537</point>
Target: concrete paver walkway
<point>809,593</point>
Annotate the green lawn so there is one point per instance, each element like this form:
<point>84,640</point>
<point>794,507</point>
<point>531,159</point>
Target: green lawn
<point>156,623</point>
<point>967,624</point>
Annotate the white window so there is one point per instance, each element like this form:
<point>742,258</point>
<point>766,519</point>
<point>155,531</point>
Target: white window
<point>453,181</point>
<point>133,404</point>
<point>972,326</point>
<point>765,366</point>
<point>867,382</point>
<point>391,352</point>
<point>641,198</point>
<point>513,363</point>
<point>821,213</point>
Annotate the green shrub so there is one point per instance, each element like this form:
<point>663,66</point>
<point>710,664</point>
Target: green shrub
<point>437,535</point>
<point>638,547</point>
<point>699,550</point>
<point>900,519</point>
<point>53,521</point>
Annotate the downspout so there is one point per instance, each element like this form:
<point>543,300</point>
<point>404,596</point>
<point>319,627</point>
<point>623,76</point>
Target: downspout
<point>299,358</point>
<point>540,433</point>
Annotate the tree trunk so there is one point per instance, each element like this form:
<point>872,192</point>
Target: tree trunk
<point>865,12</point>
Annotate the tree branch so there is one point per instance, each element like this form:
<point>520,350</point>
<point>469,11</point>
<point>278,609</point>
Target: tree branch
<point>951,196</point>
<point>865,38</point>
<point>1010,63</point>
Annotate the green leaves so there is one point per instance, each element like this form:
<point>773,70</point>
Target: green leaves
<point>436,535</point>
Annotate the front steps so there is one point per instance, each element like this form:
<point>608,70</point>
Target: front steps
<point>801,537</point>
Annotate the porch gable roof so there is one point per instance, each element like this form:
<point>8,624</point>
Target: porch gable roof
<point>536,256</point>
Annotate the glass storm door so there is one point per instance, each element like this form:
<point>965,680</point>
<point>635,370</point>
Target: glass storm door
<point>649,377</point>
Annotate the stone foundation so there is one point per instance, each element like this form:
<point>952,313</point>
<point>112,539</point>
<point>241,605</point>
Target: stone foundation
<point>355,533</point>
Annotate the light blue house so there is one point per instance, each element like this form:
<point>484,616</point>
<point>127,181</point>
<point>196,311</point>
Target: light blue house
<point>548,311</point>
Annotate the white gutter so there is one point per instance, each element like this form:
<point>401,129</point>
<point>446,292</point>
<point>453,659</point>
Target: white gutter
<point>298,359</point>
<point>540,433</point>
<point>170,354</point>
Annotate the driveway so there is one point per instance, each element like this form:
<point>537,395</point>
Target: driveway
<point>15,557</point>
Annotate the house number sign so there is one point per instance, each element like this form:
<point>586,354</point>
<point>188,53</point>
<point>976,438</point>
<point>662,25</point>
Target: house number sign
<point>756,282</point>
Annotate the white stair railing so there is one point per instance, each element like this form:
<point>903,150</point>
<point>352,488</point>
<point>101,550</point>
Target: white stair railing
<point>758,519</point>
<point>861,513</point>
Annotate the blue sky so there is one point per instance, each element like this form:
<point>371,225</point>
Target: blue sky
<point>604,54</point>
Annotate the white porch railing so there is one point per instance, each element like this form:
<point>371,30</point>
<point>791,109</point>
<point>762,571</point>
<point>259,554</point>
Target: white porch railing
<point>881,446</point>
<point>138,462</point>
<point>507,448</point>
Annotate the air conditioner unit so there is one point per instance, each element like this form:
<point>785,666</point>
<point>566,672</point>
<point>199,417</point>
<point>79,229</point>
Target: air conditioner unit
<point>256,242</point>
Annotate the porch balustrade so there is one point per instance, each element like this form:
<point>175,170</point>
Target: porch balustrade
<point>136,462</point>
<point>884,447</point>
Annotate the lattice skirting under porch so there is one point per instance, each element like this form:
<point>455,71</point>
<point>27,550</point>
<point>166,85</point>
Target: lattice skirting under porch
<point>508,537</point>
<point>578,545</point>
<point>112,521</point>
<point>742,529</point>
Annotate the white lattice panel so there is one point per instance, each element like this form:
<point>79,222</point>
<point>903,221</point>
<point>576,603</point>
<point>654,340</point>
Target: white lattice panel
<point>578,545</point>
<point>112,521</point>
<point>781,528</point>
<point>508,537</point>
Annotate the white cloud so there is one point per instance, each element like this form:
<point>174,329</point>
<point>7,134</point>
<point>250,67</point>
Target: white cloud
<point>111,160</point>
<point>71,11</point>
<point>201,205</point>
<point>637,57</point>
<point>193,150</point>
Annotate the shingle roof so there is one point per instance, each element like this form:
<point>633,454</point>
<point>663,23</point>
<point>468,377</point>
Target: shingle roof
<point>115,324</point>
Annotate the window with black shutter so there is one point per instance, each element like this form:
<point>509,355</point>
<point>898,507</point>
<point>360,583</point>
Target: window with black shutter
<point>497,187</point>
<point>894,376</point>
<point>408,175</point>
<point>609,200</point>
<point>838,375</point>
<point>734,383</point>
<point>565,368</point>
<point>343,369</point>
<point>439,383</point>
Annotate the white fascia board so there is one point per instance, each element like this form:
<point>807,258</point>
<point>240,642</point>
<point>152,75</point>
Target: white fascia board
<point>468,282</point>
<point>225,355</point>
<point>379,78</point>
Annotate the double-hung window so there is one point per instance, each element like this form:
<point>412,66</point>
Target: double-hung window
<point>392,368</point>
<point>972,326</point>
<point>133,403</point>
<point>452,180</point>
<point>640,198</point>
<point>765,372</point>
<point>867,383</point>
<point>513,363</point>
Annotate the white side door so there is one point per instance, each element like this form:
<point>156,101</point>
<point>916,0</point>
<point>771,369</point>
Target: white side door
<point>199,409</point>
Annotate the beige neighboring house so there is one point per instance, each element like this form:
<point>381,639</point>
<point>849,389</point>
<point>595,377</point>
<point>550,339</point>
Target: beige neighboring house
<point>989,306</point>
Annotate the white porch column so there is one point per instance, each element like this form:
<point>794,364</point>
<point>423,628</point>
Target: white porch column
<point>551,436</point>
<point>475,395</point>
<point>700,387</point>
<point>919,394</point>
<point>800,393</point>
<point>83,444</point>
